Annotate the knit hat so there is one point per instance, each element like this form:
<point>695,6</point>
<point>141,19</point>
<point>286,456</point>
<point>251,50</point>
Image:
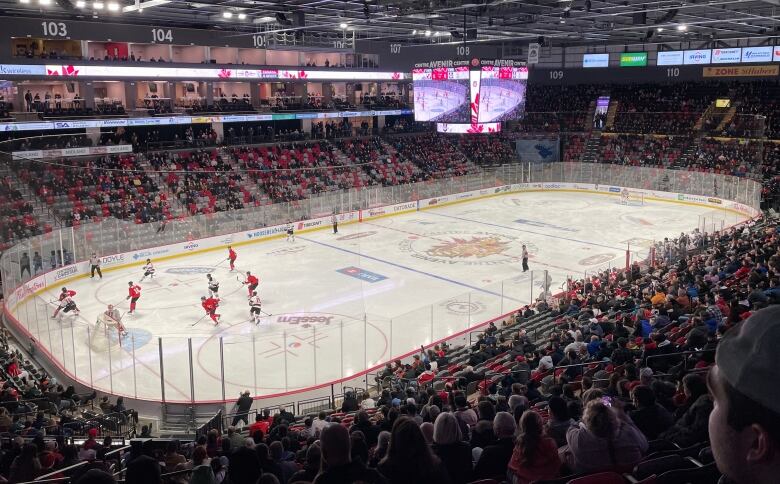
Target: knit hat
<point>748,359</point>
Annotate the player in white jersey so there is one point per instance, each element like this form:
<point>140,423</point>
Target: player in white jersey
<point>68,304</point>
<point>255,307</point>
<point>112,316</point>
<point>290,233</point>
<point>148,270</point>
<point>213,286</point>
<point>624,196</point>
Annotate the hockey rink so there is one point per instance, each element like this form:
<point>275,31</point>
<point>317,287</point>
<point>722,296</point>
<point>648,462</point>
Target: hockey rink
<point>342,303</point>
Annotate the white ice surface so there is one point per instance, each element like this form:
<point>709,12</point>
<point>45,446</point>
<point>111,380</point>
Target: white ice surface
<point>444,270</point>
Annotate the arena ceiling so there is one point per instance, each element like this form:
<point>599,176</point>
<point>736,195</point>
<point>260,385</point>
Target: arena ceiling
<point>560,22</point>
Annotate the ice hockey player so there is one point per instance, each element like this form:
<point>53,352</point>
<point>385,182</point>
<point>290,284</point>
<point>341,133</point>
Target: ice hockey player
<point>148,270</point>
<point>290,234</point>
<point>255,307</point>
<point>133,293</point>
<point>65,298</point>
<point>232,256</point>
<point>624,196</point>
<point>67,303</point>
<point>112,314</point>
<point>252,282</point>
<point>210,305</point>
<point>213,286</point>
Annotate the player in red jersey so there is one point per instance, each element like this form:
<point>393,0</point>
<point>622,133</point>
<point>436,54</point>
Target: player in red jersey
<point>232,256</point>
<point>252,282</point>
<point>210,305</point>
<point>133,293</point>
<point>66,302</point>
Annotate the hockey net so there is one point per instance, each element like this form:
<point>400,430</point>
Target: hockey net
<point>632,197</point>
<point>104,334</point>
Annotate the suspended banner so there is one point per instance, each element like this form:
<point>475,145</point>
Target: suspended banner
<point>538,150</point>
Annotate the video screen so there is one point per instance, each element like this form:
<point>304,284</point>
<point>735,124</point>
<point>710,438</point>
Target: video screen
<point>502,93</point>
<point>441,95</point>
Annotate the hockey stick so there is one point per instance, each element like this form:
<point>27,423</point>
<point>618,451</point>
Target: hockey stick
<point>267,314</point>
<point>198,321</point>
<point>223,261</point>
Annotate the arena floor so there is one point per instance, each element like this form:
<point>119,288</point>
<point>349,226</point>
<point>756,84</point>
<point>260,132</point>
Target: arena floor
<point>375,290</point>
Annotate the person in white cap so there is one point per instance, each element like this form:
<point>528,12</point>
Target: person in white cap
<point>744,425</point>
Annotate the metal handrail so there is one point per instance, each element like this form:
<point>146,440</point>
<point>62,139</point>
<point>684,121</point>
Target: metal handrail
<point>60,471</point>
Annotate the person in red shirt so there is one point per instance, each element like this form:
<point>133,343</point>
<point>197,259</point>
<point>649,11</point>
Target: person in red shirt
<point>252,282</point>
<point>210,305</point>
<point>133,293</point>
<point>262,423</point>
<point>232,256</point>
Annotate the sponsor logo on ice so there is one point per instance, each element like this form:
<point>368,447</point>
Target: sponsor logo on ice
<point>358,235</point>
<point>362,274</point>
<point>189,270</point>
<point>463,307</point>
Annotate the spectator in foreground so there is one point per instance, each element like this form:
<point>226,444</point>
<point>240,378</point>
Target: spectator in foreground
<point>605,439</point>
<point>25,466</point>
<point>535,457</point>
<point>691,427</point>
<point>492,464</point>
<point>448,445</point>
<point>649,417</point>
<point>337,465</point>
<point>409,459</point>
<point>744,425</point>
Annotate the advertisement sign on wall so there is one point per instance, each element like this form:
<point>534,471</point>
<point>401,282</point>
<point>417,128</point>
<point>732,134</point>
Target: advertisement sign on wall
<point>727,56</point>
<point>741,71</point>
<point>674,58</point>
<point>698,56</point>
<point>633,59</point>
<point>776,55</point>
<point>757,54</point>
<point>595,60</point>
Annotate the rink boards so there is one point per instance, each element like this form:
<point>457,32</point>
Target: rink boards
<point>116,262</point>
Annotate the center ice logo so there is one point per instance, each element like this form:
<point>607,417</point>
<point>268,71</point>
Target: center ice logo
<point>478,247</point>
<point>467,248</point>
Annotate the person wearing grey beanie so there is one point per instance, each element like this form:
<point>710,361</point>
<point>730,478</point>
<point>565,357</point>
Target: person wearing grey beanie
<point>744,425</point>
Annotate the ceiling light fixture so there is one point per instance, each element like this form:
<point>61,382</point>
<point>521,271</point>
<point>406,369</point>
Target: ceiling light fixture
<point>139,6</point>
<point>342,25</point>
<point>81,4</point>
<point>98,5</point>
<point>44,2</point>
<point>682,27</point>
<point>427,33</point>
<point>414,32</point>
<point>660,29</point>
<point>24,1</point>
<point>113,6</point>
<point>242,16</point>
<point>227,14</point>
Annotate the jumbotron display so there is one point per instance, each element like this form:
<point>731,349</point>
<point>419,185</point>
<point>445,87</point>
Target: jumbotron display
<point>502,93</point>
<point>441,94</point>
<point>469,97</point>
